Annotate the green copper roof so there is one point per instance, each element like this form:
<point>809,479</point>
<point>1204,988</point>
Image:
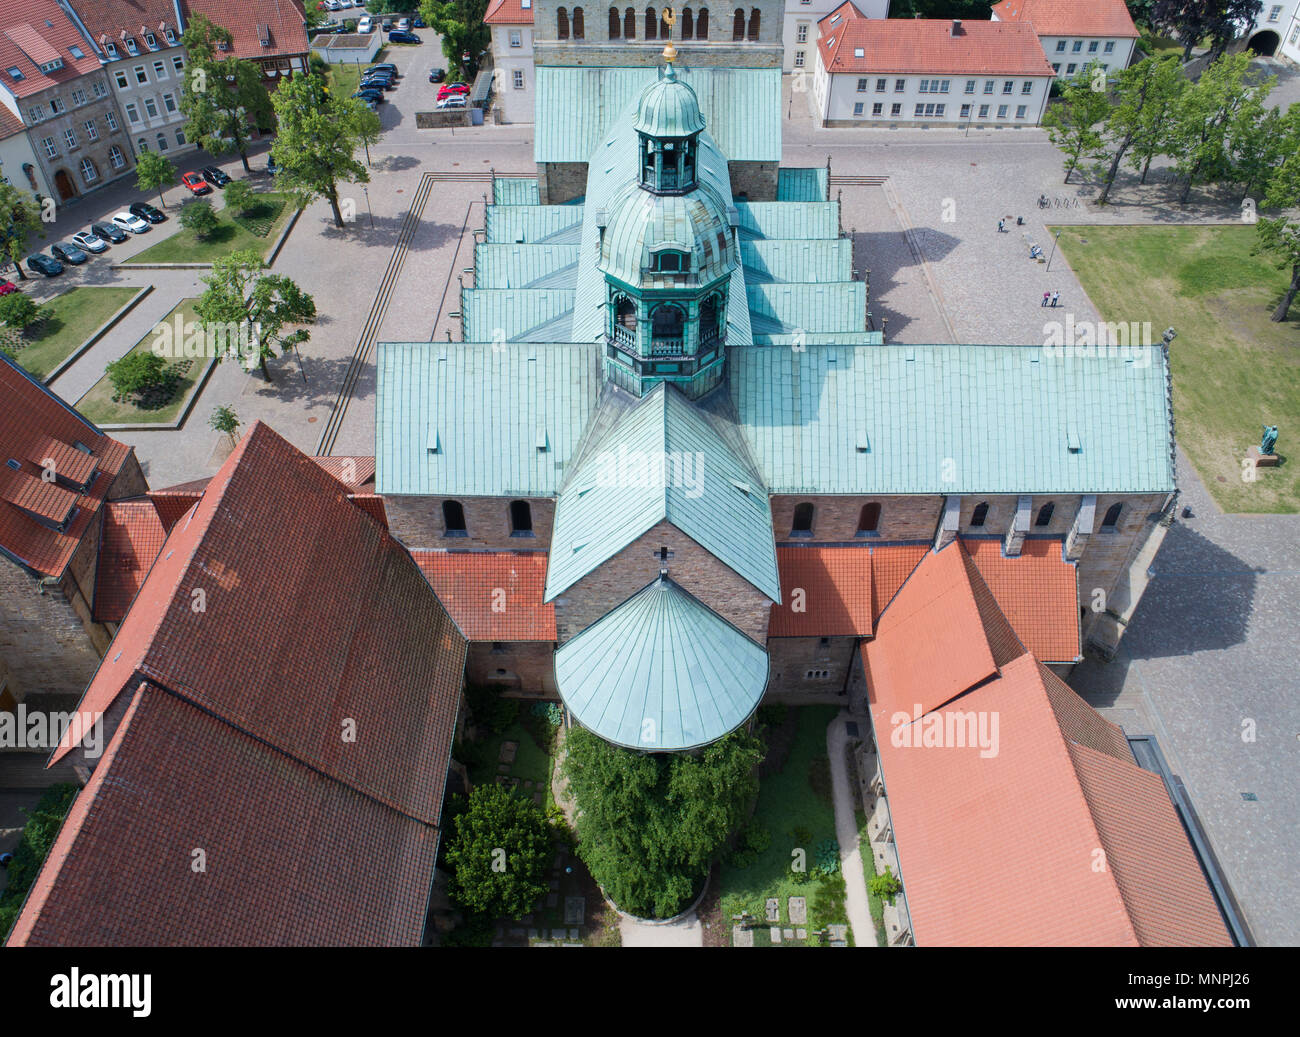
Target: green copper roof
<point>641,222</point>
<point>508,190</point>
<point>533,224</point>
<point>815,260</point>
<point>669,108</point>
<point>517,315</point>
<point>661,672</point>
<point>803,185</point>
<point>956,419</point>
<point>525,266</point>
<point>784,308</point>
<point>663,459</point>
<point>578,106</point>
<point>788,219</point>
<point>462,419</point>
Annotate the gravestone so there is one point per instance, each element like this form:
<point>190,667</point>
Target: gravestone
<point>798,908</point>
<point>742,937</point>
<point>575,910</point>
<point>801,934</point>
<point>772,910</point>
<point>507,753</point>
<point>789,934</point>
<point>776,933</point>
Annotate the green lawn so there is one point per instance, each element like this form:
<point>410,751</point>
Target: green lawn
<point>531,762</point>
<point>71,317</point>
<point>795,807</point>
<point>1234,370</point>
<point>99,406</point>
<point>342,80</point>
<point>255,229</point>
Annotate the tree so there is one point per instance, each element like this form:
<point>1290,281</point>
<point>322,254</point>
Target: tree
<point>139,373</point>
<point>20,220</point>
<point>318,140</point>
<point>1259,138</point>
<point>1138,86</point>
<point>1072,123</point>
<point>18,311</point>
<point>650,826</point>
<point>199,218</point>
<point>1280,236</point>
<point>1198,134</point>
<point>500,849</point>
<point>221,93</point>
<point>225,420</point>
<point>153,172</point>
<point>239,293</point>
<point>460,24</point>
<point>1153,121</point>
<point>240,196</point>
<point>1195,20</point>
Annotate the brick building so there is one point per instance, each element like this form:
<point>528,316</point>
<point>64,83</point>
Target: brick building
<point>270,33</point>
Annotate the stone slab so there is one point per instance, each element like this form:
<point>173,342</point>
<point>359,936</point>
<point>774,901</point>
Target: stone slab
<point>742,937</point>
<point>776,933</point>
<point>772,909</point>
<point>575,910</point>
<point>798,909</point>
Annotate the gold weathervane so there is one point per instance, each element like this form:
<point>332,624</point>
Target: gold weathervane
<point>670,19</point>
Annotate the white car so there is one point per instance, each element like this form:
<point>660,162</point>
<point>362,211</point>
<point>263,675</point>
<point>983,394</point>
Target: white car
<point>366,24</point>
<point>89,241</point>
<point>403,25</point>
<point>331,5</point>
<point>452,101</point>
<point>128,221</point>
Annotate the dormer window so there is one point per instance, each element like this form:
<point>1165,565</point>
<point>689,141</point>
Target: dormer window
<point>171,37</point>
<point>52,66</point>
<point>131,47</point>
<point>110,49</point>
<point>670,261</point>
<point>151,41</point>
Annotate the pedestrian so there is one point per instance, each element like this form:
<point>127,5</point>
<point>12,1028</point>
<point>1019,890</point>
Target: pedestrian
<point>1046,296</point>
<point>1002,226</point>
<point>1056,297</point>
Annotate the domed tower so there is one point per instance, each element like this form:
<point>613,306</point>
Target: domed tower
<point>667,252</point>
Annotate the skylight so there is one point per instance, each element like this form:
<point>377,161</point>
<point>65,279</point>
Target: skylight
<point>16,73</point>
<point>76,52</point>
<point>858,52</point>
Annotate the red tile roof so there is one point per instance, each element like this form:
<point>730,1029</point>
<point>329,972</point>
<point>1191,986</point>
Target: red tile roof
<point>492,595</point>
<point>890,568</point>
<point>1038,593</point>
<point>1070,17</point>
<point>352,472</point>
<point>1040,776</point>
<point>174,504</point>
<point>920,45</point>
<point>277,618</point>
<point>35,428</point>
<point>10,124</point>
<point>132,537</point>
<point>245,19</point>
<point>117,20</point>
<point>508,12</point>
<point>26,42</point>
<point>825,592</point>
<point>293,857</point>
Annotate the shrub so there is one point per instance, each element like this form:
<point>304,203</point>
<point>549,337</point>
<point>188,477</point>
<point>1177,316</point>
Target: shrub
<point>827,857</point>
<point>754,841</point>
<point>142,374</point>
<point>199,219</point>
<point>240,197</point>
<point>491,709</point>
<point>43,823</point>
<point>885,886</point>
<point>500,849</point>
<point>18,311</point>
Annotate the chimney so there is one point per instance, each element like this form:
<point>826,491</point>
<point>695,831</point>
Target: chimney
<point>956,26</point>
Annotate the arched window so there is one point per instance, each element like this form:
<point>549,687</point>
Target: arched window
<point>162,142</point>
<point>738,25</point>
<point>579,29</point>
<point>1045,514</point>
<point>453,519</point>
<point>651,23</point>
<point>688,24</point>
<point>562,23</point>
<point>629,24</point>
<point>613,23</point>
<point>803,520</point>
<point>521,519</point>
<point>980,513</point>
<point>869,519</point>
<point>625,312</point>
<point>142,144</point>
<point>753,23</point>
<point>667,322</point>
<point>702,24</point>
<point>1111,519</point>
<point>710,323</point>
<point>670,262</point>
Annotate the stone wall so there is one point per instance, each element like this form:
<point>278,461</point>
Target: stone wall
<point>525,668</point>
<point>810,669</point>
<point>690,566</point>
<point>42,637</point>
<point>559,182</point>
<point>755,180</point>
<point>418,523</point>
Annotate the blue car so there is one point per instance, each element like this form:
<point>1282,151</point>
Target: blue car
<point>39,264</point>
<point>397,36</point>
<point>68,253</point>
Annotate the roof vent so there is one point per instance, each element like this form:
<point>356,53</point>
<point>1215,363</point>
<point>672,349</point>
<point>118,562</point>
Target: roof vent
<point>743,487</point>
<point>1073,442</point>
<point>542,442</point>
<point>433,444</point>
<point>864,443</point>
<point>956,27</point>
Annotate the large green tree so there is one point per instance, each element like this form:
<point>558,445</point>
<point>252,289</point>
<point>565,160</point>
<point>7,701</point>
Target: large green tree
<point>1280,235</point>
<point>316,147</point>
<point>500,849</point>
<point>153,172</point>
<point>1204,117</point>
<point>223,94</point>
<point>651,825</point>
<point>20,221</point>
<point>1195,20</point>
<point>1137,89</point>
<point>460,24</point>
<point>1153,121</point>
<point>1073,122</point>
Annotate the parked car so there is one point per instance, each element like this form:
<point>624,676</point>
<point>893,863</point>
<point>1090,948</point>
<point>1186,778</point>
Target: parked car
<point>370,96</point>
<point>89,241</point>
<point>195,183</point>
<point>418,23</point>
<point>454,101</point>
<point>331,5</point>
<point>146,212</point>
<point>366,24</point>
<point>381,76</point>
<point>386,25</point>
<point>437,75</point>
<point>215,176</point>
<point>108,232</point>
<point>383,66</point>
<point>68,253</point>
<point>452,89</point>
<point>403,25</point>
<point>130,221</point>
<point>397,36</point>
<point>39,264</point>
<point>377,83</point>
<point>381,73</point>
<point>6,287</point>
<point>271,167</point>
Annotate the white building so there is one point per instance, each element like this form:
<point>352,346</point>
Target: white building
<point>801,18</point>
<point>1074,33</point>
<point>927,71</point>
<point>511,22</point>
<point>1276,30</point>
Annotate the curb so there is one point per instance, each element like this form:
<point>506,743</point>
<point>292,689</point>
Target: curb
<point>284,234</point>
<point>181,418</point>
<point>98,333</point>
<point>126,265</point>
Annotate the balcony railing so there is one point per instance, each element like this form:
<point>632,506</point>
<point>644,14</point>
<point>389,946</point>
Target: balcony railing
<point>667,346</point>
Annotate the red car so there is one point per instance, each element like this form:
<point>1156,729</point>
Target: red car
<point>196,183</point>
<point>451,89</point>
<point>7,286</point>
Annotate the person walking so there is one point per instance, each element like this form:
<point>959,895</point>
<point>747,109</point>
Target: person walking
<point>1056,297</point>
<point>1002,226</point>
<point>1046,296</point>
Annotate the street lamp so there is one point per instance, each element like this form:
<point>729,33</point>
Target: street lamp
<point>1055,239</point>
<point>368,211</point>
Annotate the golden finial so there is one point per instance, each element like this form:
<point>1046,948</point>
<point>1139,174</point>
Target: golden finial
<point>670,19</point>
